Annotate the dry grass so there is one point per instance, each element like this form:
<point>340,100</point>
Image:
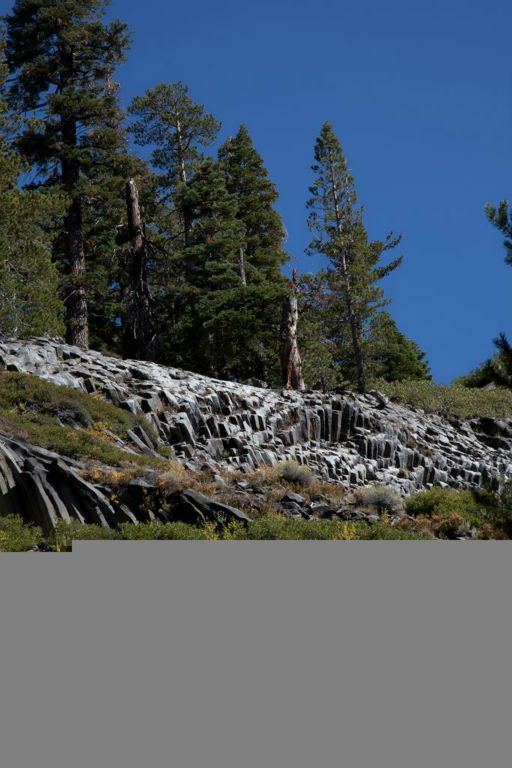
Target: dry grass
<point>452,402</point>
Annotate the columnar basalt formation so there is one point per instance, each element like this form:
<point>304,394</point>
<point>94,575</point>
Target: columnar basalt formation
<point>346,438</point>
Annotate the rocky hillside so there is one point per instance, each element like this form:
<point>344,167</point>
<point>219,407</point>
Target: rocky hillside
<point>222,427</point>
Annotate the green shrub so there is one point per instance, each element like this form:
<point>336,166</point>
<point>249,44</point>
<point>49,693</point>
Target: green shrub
<point>62,538</point>
<point>381,498</point>
<point>277,527</point>
<point>163,532</point>
<point>497,516</point>
<point>383,531</point>
<point>437,501</point>
<point>446,512</point>
<point>15,536</point>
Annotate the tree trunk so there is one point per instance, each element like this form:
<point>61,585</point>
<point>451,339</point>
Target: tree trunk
<point>291,363</point>
<point>241,268</point>
<point>138,331</point>
<point>187,224</point>
<point>77,319</point>
<point>75,299</point>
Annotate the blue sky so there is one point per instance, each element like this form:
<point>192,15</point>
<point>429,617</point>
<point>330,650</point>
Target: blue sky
<point>420,95</point>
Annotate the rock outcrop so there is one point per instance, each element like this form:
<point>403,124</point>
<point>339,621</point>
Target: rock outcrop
<point>45,488</point>
<point>345,438</point>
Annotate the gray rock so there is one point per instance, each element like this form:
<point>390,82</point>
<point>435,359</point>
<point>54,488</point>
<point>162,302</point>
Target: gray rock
<point>342,437</point>
<point>294,498</point>
<point>196,509</point>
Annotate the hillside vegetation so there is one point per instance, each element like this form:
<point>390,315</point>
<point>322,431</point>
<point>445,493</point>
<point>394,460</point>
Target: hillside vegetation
<point>68,421</point>
<point>455,401</point>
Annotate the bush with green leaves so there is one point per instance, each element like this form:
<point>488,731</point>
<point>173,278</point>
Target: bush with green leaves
<point>446,512</point>
<point>62,538</point>
<point>15,536</point>
<point>437,501</point>
<point>269,527</point>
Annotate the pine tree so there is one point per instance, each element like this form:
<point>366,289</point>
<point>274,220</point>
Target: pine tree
<point>212,312</point>
<point>263,256</point>
<point>340,236</point>
<point>321,363</point>
<point>177,128</point>
<point>167,119</point>
<point>63,58</point>
<point>29,301</point>
<point>247,178</point>
<point>501,217</point>
<point>497,370</point>
<point>391,355</point>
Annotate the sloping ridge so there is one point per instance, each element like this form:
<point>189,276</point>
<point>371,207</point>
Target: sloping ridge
<point>345,438</point>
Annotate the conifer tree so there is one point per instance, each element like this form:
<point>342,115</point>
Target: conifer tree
<point>339,235</point>
<point>167,119</point>
<point>322,364</point>
<point>501,217</point>
<point>29,300</point>
<point>247,178</point>
<point>498,369</point>
<point>391,355</point>
<point>211,318</point>
<point>178,129</point>
<point>63,57</point>
<point>263,256</point>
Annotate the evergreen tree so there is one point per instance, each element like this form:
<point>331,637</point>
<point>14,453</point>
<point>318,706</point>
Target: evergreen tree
<point>498,369</point>
<point>261,259</point>
<point>501,217</point>
<point>178,130</point>
<point>501,364</point>
<point>29,301</point>
<point>321,364</point>
<point>391,355</point>
<point>167,119</point>
<point>212,299</point>
<point>106,261</point>
<point>247,178</point>
<point>63,57</point>
<point>340,236</point>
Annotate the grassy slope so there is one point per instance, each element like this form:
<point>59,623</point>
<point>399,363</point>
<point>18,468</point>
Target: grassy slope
<point>450,401</point>
<point>67,421</point>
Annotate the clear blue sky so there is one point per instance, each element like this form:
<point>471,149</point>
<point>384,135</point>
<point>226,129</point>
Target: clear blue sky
<point>420,95</point>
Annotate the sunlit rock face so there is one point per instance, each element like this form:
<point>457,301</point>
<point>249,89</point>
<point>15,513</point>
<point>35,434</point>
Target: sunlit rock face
<point>345,438</point>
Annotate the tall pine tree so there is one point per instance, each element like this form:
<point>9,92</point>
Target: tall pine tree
<point>29,301</point>
<point>178,130</point>
<point>211,319</point>
<point>262,257</point>
<point>340,236</point>
<point>63,58</point>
